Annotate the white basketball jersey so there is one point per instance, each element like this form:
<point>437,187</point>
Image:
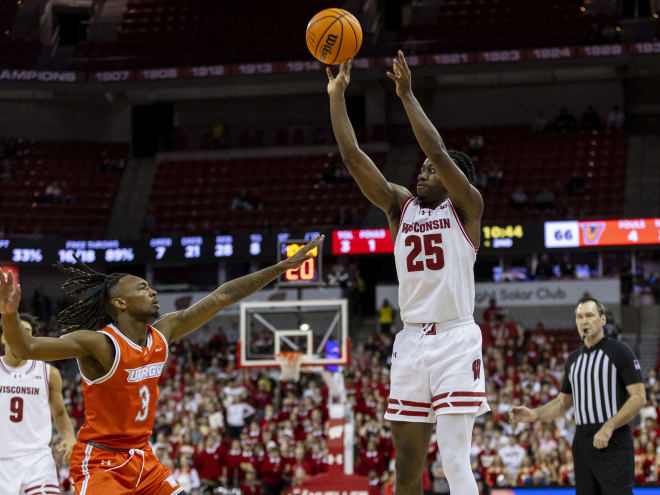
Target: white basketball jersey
<point>434,262</point>
<point>25,422</point>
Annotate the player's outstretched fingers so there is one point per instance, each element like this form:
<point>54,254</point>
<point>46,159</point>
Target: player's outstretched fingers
<point>311,245</point>
<point>402,58</point>
<point>329,73</point>
<point>349,64</point>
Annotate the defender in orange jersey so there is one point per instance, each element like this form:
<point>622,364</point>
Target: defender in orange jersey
<point>120,365</point>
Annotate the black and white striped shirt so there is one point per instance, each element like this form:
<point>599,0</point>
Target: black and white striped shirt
<point>597,378</point>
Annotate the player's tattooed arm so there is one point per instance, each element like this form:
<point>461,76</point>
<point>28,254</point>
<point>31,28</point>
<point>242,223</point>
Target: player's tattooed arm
<point>370,180</point>
<point>180,323</point>
<point>462,193</point>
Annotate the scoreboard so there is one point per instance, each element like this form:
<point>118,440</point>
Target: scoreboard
<point>158,250</point>
<point>362,241</point>
<point>494,237</point>
<point>504,237</point>
<point>309,273</point>
<point>596,233</point>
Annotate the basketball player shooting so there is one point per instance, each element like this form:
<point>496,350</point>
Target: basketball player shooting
<point>31,403</point>
<point>120,365</point>
<point>436,374</point>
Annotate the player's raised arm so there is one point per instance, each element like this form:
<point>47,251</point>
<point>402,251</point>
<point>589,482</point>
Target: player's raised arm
<point>180,323</point>
<point>373,185</point>
<point>462,193</point>
<point>77,344</point>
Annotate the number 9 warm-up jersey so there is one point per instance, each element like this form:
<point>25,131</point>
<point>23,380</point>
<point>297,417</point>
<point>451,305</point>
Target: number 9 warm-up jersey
<point>120,407</point>
<point>434,262</point>
<point>25,425</point>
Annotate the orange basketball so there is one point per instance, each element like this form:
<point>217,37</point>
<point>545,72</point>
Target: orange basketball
<point>333,36</point>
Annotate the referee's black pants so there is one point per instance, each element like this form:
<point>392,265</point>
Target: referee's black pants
<point>608,471</point>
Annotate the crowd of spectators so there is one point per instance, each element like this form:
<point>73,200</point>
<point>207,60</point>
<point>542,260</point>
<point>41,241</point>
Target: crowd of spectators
<point>218,426</point>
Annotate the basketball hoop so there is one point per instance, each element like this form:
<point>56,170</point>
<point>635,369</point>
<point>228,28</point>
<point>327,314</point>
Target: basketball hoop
<point>290,363</point>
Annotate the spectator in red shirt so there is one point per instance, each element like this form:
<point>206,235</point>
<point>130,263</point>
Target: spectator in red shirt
<point>374,483</point>
<point>367,405</point>
<point>300,462</point>
<point>250,485</point>
<point>272,472</point>
<point>316,458</point>
<point>254,432</point>
<point>390,485</point>
<point>371,459</point>
<point>288,458</point>
<point>262,397</point>
<point>496,473</point>
<point>249,462</point>
<point>303,430</point>
<point>491,311</point>
<point>567,470</point>
<point>211,463</point>
<point>233,460</point>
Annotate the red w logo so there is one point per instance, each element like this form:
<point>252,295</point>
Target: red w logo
<point>476,368</point>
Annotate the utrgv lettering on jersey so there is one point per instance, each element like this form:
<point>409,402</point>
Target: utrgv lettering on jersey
<point>145,372</point>
<point>442,223</point>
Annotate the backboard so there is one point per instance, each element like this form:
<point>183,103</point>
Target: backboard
<point>317,328</point>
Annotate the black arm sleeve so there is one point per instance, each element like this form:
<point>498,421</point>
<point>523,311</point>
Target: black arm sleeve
<point>627,365</point>
<point>566,384</point>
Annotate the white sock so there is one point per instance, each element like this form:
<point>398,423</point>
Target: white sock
<point>454,437</point>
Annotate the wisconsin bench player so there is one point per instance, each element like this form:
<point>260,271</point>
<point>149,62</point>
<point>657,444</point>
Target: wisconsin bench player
<point>436,374</point>
<point>30,404</point>
<point>120,365</point>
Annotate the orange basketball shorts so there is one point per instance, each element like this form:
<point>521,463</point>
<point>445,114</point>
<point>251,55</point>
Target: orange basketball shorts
<point>97,471</point>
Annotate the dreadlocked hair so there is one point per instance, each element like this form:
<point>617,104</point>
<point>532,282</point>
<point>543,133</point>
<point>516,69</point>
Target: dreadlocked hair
<point>92,289</point>
<point>463,162</point>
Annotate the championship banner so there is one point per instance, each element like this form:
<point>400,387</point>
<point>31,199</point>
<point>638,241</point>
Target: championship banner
<point>41,75</point>
<point>219,70</point>
<point>512,294</point>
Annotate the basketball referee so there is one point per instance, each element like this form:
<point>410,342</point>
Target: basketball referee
<point>603,383</point>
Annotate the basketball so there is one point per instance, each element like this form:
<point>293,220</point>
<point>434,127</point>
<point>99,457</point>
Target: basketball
<point>333,36</point>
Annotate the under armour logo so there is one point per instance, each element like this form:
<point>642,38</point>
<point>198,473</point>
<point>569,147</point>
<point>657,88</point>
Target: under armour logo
<point>394,355</point>
<point>105,463</point>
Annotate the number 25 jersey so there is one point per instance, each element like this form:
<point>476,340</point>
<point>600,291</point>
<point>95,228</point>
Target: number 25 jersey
<point>121,405</point>
<point>434,262</point>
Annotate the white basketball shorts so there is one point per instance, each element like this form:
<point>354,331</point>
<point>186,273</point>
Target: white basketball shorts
<point>32,474</point>
<point>437,368</point>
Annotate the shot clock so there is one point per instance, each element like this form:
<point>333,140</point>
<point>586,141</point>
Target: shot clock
<point>309,273</point>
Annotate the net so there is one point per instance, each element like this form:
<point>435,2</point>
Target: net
<point>290,363</point>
